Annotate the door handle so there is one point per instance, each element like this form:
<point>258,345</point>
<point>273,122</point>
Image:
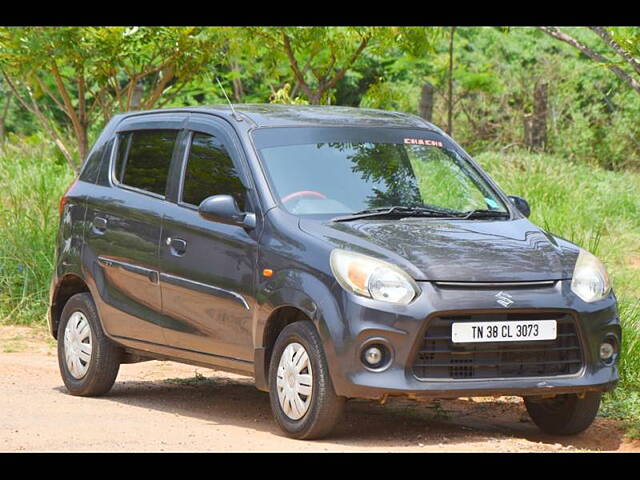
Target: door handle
<point>99,224</point>
<point>178,246</point>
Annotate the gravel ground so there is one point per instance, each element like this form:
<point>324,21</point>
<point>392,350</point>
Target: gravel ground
<point>166,406</point>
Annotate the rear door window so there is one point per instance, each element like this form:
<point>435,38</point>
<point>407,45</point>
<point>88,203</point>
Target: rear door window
<point>143,159</point>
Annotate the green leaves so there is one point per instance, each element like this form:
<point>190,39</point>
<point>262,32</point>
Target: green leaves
<point>72,79</point>
<point>283,95</point>
<point>628,38</point>
<point>320,57</point>
<point>89,73</point>
<point>477,81</point>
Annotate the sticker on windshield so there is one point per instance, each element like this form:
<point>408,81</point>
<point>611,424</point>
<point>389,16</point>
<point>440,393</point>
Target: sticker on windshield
<point>421,141</point>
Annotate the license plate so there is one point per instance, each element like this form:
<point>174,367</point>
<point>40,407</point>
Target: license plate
<point>520,331</point>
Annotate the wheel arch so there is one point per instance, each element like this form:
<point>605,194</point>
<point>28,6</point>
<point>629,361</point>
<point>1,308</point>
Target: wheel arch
<point>68,286</point>
<point>308,299</point>
<point>276,322</point>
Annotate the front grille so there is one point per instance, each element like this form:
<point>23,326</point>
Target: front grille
<point>440,358</point>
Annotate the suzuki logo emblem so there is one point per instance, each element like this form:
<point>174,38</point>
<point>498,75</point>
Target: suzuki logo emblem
<point>504,299</point>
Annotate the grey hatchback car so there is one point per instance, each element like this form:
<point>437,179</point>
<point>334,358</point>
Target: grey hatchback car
<point>329,252</point>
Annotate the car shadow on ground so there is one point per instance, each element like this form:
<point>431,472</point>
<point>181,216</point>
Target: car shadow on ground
<point>235,401</point>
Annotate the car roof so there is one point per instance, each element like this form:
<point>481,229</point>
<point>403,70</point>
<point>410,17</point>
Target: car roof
<point>278,115</point>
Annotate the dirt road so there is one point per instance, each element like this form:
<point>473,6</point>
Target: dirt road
<point>165,406</point>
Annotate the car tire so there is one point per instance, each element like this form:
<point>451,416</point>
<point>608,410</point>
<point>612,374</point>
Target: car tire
<point>300,415</point>
<point>564,414</point>
<point>88,368</point>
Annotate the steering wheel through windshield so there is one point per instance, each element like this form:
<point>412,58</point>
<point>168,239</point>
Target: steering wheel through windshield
<point>301,194</point>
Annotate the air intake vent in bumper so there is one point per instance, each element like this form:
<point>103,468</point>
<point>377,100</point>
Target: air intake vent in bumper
<point>440,358</point>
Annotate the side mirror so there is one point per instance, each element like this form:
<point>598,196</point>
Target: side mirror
<point>521,204</point>
<point>224,209</point>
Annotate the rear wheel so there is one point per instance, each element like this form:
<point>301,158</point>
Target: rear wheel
<point>564,414</point>
<point>88,360</point>
<point>303,400</point>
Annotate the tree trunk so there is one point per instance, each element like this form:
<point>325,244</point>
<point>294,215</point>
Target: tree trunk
<point>535,124</point>
<point>450,99</point>
<point>527,125</point>
<point>238,89</point>
<point>426,102</point>
<point>3,119</point>
<point>315,98</point>
<point>83,143</point>
<point>136,97</point>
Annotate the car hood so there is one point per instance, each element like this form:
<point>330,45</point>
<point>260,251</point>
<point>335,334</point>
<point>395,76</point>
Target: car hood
<point>455,250</point>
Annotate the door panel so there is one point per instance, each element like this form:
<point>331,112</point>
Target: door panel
<point>208,268</point>
<point>125,261</point>
<point>124,222</point>
<point>208,290</point>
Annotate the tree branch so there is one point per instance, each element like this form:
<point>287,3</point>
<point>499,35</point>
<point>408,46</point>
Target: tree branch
<point>305,69</point>
<point>341,73</point>
<point>96,101</point>
<point>557,34</point>
<point>81,98</point>
<point>46,90</point>
<point>44,121</point>
<point>615,46</point>
<point>294,66</point>
<point>167,75</point>
<point>174,94</point>
<point>69,110</point>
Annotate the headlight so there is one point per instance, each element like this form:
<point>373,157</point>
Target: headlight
<point>590,279</point>
<point>372,278</point>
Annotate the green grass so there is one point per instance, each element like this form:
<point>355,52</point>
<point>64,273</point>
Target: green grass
<point>597,209</point>
<point>32,179</point>
<point>624,405</point>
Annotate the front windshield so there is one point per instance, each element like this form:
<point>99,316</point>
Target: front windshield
<point>333,174</point>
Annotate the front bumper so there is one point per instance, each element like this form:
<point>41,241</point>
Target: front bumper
<point>401,329</point>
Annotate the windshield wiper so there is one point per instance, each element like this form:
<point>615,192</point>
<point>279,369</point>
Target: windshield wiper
<point>485,214</point>
<point>398,212</point>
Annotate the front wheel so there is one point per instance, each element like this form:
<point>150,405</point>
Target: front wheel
<point>303,400</point>
<point>564,414</point>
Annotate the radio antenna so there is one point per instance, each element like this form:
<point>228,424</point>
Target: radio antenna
<point>233,110</point>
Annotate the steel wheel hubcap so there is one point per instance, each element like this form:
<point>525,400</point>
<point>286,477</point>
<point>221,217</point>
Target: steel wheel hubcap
<point>77,345</point>
<point>294,381</point>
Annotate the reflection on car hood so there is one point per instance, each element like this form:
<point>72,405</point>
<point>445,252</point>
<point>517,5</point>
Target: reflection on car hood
<point>455,250</point>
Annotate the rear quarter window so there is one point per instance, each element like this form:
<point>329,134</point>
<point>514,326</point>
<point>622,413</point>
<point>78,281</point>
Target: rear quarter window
<point>91,167</point>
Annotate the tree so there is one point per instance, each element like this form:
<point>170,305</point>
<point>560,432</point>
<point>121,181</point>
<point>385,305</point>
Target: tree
<point>320,57</point>
<point>90,73</point>
<point>624,53</point>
